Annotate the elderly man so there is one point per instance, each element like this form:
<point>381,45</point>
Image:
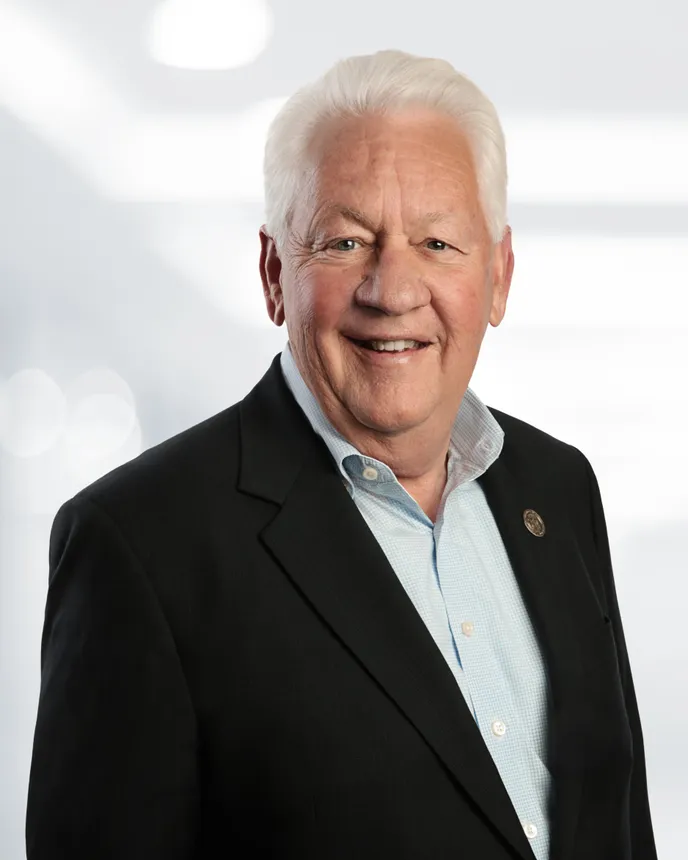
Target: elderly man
<point>358,614</point>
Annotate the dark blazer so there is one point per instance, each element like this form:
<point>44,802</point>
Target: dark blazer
<point>231,668</point>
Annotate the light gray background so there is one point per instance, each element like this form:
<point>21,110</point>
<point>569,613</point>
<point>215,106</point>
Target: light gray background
<point>130,304</point>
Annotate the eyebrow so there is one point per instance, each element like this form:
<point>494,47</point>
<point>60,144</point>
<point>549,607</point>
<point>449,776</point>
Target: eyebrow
<point>357,217</point>
<point>350,214</point>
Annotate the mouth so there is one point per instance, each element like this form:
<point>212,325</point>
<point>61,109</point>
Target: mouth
<point>393,347</point>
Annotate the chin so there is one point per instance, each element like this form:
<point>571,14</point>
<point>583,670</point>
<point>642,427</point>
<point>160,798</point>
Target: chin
<point>391,420</point>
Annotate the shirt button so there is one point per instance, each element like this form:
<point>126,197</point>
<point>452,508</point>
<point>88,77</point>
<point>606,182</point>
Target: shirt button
<point>530,829</point>
<point>499,728</point>
<point>467,628</point>
<point>370,474</point>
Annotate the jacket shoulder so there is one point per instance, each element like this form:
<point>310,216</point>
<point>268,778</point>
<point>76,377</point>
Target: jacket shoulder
<point>527,445</point>
<point>183,467</point>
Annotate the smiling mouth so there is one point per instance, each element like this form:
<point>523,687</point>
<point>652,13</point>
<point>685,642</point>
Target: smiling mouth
<point>390,345</point>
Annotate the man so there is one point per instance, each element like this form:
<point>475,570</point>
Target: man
<point>358,614</point>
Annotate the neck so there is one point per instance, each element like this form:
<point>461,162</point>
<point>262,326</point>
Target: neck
<point>417,457</point>
<point>428,490</point>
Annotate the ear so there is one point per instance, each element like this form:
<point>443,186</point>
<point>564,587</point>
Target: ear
<point>502,271</point>
<point>271,276</point>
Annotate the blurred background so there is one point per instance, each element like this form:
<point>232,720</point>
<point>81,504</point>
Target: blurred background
<point>131,138</point>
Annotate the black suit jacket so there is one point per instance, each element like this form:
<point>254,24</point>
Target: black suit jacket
<point>231,668</point>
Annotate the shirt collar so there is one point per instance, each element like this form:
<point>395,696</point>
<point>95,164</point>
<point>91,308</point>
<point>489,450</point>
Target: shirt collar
<point>476,438</point>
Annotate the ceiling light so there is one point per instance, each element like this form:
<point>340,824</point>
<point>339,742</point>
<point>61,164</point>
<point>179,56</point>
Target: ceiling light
<point>209,34</point>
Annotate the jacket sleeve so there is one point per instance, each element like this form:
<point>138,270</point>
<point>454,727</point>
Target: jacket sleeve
<point>113,772</point>
<point>641,834</point>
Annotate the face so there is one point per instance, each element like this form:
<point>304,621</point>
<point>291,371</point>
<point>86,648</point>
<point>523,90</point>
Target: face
<point>388,278</point>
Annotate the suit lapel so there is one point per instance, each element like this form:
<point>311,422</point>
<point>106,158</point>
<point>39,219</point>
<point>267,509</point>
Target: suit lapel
<point>326,549</point>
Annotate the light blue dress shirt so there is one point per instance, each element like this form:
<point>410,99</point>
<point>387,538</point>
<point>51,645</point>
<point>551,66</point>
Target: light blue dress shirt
<point>458,575</point>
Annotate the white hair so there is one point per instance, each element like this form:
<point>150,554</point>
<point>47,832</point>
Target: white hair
<point>382,83</point>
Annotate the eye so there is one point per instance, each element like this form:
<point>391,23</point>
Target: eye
<point>437,245</point>
<point>345,245</point>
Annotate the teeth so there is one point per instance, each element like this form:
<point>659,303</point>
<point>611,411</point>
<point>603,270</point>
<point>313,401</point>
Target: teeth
<point>393,345</point>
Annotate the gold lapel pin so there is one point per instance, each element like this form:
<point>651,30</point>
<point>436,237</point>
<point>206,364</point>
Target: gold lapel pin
<point>534,522</point>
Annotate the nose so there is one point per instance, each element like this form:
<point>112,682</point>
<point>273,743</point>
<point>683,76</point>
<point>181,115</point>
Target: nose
<point>394,283</point>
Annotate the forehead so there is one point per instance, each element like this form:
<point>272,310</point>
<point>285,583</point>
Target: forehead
<point>417,157</point>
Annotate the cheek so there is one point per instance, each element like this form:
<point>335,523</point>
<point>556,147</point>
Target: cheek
<point>464,310</point>
<point>299,300</point>
<point>322,297</point>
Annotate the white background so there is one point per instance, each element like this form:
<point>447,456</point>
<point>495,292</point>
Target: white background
<point>130,304</point>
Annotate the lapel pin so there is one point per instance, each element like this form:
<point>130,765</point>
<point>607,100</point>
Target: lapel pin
<point>534,522</point>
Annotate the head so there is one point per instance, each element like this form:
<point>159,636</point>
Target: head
<point>385,185</point>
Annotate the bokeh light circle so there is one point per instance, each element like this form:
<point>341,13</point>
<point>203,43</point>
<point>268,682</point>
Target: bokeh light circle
<point>99,425</point>
<point>34,410</point>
